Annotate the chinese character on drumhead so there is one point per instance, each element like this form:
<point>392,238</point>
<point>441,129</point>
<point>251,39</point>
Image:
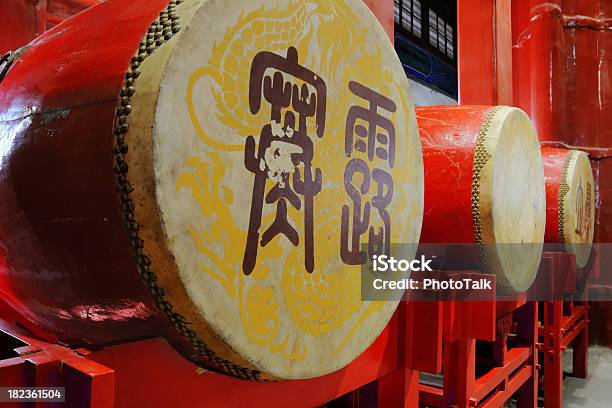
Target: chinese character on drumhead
<point>369,138</point>
<point>294,94</point>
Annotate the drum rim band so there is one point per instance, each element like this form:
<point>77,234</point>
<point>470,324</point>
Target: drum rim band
<point>564,189</point>
<point>481,158</point>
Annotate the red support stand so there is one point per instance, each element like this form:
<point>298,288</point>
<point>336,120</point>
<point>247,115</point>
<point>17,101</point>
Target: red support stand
<point>445,339</point>
<point>40,364</point>
<point>564,324</point>
<point>150,373</point>
<point>514,374</point>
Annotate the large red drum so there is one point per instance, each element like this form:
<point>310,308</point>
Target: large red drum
<point>208,171</point>
<point>570,201</point>
<point>484,185</point>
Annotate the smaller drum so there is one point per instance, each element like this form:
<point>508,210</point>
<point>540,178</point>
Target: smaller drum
<point>484,184</point>
<point>570,198</point>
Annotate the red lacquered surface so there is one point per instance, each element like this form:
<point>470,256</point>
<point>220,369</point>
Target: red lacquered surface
<point>19,24</point>
<point>521,61</point>
<point>603,174</point>
<point>449,139</point>
<point>553,160</point>
<point>485,71</point>
<point>561,60</point>
<point>589,85</point>
<point>66,262</point>
<point>547,69</point>
<point>475,26</point>
<point>150,373</point>
<point>592,8</point>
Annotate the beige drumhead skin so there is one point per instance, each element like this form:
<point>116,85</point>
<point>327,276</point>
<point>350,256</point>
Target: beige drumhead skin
<point>512,199</point>
<point>577,203</point>
<point>193,193</point>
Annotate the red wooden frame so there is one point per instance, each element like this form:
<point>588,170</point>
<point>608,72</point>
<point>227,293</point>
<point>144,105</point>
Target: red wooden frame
<point>564,324</point>
<point>462,324</point>
<point>151,373</point>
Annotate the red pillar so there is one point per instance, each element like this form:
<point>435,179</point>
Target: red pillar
<point>485,70</point>
<point>19,24</point>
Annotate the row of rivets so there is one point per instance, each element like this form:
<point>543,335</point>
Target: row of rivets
<point>481,157</point>
<point>564,188</point>
<point>160,31</point>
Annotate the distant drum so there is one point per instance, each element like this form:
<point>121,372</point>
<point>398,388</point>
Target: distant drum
<point>484,184</point>
<point>214,172</point>
<point>570,201</point>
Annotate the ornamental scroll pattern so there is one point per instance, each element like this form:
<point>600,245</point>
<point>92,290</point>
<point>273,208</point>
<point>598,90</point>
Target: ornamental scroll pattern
<point>273,96</point>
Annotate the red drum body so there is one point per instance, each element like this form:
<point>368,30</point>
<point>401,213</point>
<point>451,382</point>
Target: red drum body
<point>58,191</point>
<point>449,142</point>
<point>570,201</point>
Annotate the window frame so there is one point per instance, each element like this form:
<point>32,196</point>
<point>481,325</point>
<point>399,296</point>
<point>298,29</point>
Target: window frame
<point>448,17</point>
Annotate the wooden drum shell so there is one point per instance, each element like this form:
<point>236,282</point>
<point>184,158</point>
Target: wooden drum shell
<point>58,122</point>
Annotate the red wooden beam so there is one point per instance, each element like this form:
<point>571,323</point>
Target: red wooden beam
<point>488,382</point>
<point>485,71</point>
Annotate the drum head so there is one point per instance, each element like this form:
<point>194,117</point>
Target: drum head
<point>577,206</point>
<point>269,143</point>
<point>512,198</point>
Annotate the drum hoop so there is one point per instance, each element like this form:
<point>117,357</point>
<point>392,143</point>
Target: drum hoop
<point>481,158</point>
<point>564,189</point>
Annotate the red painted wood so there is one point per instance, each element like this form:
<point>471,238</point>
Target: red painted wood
<point>503,52</point>
<point>604,201</point>
<point>485,71</point>
<point>521,61</point>
<point>592,9</point>
<point>57,187</point>
<point>449,140</point>
<point>476,65</point>
<point>426,319</point>
<point>150,373</point>
<point>553,160</point>
<point>40,364</point>
<point>19,24</point>
<point>173,381</point>
<point>400,389</point>
<point>462,386</point>
<point>562,57</point>
<point>589,88</point>
<point>547,74</point>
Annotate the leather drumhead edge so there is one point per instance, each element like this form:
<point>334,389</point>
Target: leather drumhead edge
<point>512,198</point>
<point>577,206</point>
